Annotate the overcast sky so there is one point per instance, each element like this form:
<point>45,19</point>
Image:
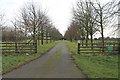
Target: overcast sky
<point>59,11</point>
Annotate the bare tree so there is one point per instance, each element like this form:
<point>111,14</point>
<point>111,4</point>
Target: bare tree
<point>55,34</point>
<point>2,25</point>
<point>2,22</point>
<point>33,21</point>
<point>84,15</point>
<point>30,20</point>
<point>103,16</point>
<point>90,17</point>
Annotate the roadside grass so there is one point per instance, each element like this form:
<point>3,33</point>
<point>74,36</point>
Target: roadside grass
<point>13,61</point>
<point>94,66</point>
<point>0,64</point>
<point>98,66</point>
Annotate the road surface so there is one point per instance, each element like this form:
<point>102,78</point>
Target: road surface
<point>57,63</point>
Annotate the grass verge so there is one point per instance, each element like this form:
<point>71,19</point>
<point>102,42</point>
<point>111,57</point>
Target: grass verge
<point>98,66</point>
<point>13,61</point>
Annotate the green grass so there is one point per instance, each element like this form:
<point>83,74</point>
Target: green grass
<point>10,62</point>
<point>95,66</point>
<point>0,64</point>
<point>98,66</point>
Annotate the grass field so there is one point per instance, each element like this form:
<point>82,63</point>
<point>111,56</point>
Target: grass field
<point>10,62</point>
<point>94,66</point>
<point>0,64</point>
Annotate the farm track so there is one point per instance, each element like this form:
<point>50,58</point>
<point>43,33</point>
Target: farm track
<point>57,63</point>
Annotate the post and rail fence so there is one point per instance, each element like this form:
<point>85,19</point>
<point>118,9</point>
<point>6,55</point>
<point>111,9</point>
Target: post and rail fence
<point>29,47</point>
<point>13,47</point>
<point>97,48</point>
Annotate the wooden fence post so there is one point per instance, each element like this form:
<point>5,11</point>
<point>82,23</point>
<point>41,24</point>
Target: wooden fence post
<point>35,46</point>
<point>15,47</point>
<point>78,46</point>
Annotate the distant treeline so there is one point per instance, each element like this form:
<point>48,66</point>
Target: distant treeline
<point>31,23</point>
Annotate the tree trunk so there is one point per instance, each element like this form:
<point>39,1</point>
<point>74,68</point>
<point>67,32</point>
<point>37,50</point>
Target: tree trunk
<point>46,38</point>
<point>82,38</point>
<point>35,40</point>
<point>102,34</point>
<point>102,38</point>
<point>87,39</point>
<point>42,38</point>
<point>39,36</point>
<point>91,42</point>
<point>91,39</point>
<point>42,35</point>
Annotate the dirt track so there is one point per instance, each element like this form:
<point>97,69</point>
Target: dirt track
<point>54,64</point>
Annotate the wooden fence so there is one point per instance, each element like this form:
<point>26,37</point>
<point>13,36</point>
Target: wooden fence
<point>97,48</point>
<point>18,48</point>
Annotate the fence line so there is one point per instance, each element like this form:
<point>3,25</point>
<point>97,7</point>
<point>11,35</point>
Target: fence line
<point>18,48</point>
<point>97,48</point>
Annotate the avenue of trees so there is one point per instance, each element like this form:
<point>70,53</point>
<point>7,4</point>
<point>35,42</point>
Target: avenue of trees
<point>91,17</point>
<point>31,23</point>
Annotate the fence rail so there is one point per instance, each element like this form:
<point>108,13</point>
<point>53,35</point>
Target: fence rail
<point>18,48</point>
<point>97,48</point>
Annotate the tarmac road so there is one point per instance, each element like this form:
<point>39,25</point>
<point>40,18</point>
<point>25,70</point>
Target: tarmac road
<point>57,63</point>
